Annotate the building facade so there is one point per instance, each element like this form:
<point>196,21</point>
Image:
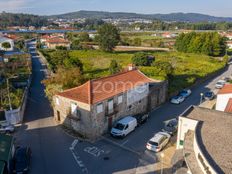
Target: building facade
<point>203,138</point>
<point>91,109</point>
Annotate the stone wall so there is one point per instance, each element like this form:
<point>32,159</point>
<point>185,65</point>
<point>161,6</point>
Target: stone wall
<point>158,95</point>
<point>80,123</point>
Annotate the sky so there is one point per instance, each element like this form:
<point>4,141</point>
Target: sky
<point>47,7</point>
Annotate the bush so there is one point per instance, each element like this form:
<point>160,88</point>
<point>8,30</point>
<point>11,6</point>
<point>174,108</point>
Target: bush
<point>142,59</point>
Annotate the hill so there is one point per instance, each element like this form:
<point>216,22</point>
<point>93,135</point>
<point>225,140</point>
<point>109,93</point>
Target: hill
<point>179,17</point>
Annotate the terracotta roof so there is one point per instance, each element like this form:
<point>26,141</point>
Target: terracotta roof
<point>229,106</point>
<point>57,40</point>
<point>95,91</point>
<point>227,89</point>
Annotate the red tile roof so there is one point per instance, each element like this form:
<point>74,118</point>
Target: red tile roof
<point>98,90</point>
<point>229,106</point>
<point>227,89</point>
<point>57,40</point>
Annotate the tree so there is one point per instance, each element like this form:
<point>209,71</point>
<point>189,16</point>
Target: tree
<point>164,68</point>
<point>84,37</point>
<point>73,62</point>
<point>63,79</point>
<point>75,45</point>
<point>6,45</point>
<point>142,59</point>
<point>114,67</point>
<point>57,58</point>
<point>109,37</point>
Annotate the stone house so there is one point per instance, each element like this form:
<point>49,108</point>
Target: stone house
<point>92,108</point>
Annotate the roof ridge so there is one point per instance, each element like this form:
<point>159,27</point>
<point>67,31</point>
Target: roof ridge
<point>113,75</point>
<point>74,87</point>
<point>90,91</point>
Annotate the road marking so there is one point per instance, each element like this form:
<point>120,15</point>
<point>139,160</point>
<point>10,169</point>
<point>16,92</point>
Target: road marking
<point>96,152</point>
<point>77,157</point>
<point>125,142</point>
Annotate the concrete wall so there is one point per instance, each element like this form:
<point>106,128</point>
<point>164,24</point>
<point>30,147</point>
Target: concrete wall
<point>222,100</point>
<point>16,116</point>
<point>184,124</point>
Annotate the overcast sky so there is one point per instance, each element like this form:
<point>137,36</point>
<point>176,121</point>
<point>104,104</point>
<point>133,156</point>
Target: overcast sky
<point>47,7</point>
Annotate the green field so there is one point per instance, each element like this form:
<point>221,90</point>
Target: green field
<point>187,67</point>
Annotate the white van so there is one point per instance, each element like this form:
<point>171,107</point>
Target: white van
<point>124,126</point>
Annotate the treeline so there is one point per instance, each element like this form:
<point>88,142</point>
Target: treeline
<point>89,24</point>
<point>10,19</point>
<point>160,25</point>
<point>209,43</point>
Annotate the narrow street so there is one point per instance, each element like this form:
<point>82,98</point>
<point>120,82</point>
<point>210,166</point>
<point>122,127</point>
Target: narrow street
<point>49,144</point>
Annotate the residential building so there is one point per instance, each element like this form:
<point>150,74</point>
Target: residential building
<point>204,139</point>
<point>4,40</point>
<point>229,44</point>
<point>7,151</point>
<point>224,98</point>
<point>92,108</point>
<point>52,43</point>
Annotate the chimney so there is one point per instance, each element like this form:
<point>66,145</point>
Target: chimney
<point>131,67</point>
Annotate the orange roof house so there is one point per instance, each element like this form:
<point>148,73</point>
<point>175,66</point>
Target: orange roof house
<point>95,91</point>
<point>91,109</point>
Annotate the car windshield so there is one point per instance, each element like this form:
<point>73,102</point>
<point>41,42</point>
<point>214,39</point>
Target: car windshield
<point>153,143</point>
<point>119,126</point>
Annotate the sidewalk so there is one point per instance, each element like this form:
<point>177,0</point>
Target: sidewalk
<point>166,162</point>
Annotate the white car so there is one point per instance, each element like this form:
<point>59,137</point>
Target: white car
<point>220,84</point>
<point>158,142</point>
<point>185,93</point>
<point>6,128</point>
<point>177,99</point>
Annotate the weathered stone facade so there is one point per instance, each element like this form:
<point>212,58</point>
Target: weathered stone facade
<point>92,108</point>
<point>91,124</point>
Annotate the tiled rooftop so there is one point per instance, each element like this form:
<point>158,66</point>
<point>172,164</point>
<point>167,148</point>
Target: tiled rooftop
<point>227,89</point>
<point>98,90</point>
<point>229,106</point>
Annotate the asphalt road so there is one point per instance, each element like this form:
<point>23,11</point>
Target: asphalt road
<point>54,152</point>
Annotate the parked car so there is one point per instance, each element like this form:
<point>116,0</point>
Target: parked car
<point>209,95</point>
<point>220,84</point>
<point>6,128</point>
<point>177,99</point>
<point>185,93</point>
<point>124,126</point>
<point>141,118</point>
<point>158,142</point>
<point>21,160</point>
<point>170,126</point>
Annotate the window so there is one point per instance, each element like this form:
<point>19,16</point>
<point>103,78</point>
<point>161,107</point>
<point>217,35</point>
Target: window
<point>73,108</point>
<point>119,99</point>
<point>99,108</point>
<point>110,105</point>
<point>57,101</point>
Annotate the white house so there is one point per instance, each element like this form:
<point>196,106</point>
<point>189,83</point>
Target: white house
<point>203,140</point>
<point>4,40</point>
<point>223,98</point>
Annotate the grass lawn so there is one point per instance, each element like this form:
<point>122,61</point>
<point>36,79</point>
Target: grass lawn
<point>188,67</point>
